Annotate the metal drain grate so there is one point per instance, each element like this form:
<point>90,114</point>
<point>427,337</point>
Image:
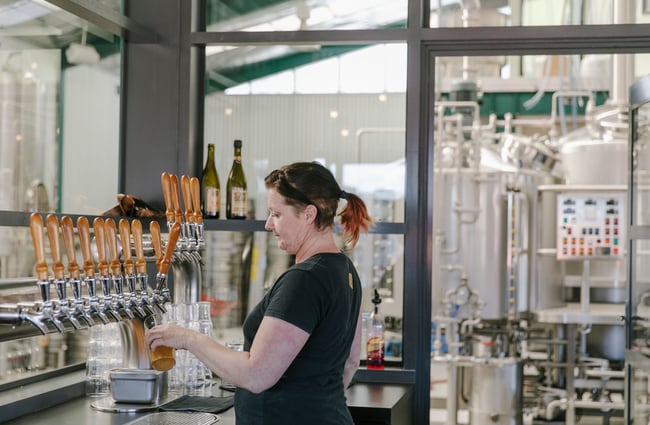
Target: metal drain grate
<point>176,418</point>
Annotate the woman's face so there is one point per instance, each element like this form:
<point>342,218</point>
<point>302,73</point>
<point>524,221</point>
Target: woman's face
<point>287,225</point>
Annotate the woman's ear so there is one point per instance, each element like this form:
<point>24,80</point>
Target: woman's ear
<point>310,213</point>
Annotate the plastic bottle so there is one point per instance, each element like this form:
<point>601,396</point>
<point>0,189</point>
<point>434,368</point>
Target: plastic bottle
<point>376,340</point>
<point>210,187</point>
<point>236,200</point>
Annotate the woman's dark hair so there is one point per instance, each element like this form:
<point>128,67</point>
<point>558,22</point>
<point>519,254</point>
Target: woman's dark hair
<point>310,183</point>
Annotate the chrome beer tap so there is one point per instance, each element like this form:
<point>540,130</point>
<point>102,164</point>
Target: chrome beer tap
<point>43,310</point>
<point>156,241</point>
<point>58,268</point>
<point>89,270</point>
<point>166,183</point>
<point>195,189</point>
<point>129,266</point>
<point>17,314</point>
<point>182,243</point>
<point>189,228</point>
<point>184,255</point>
<point>161,276</point>
<point>141,267</point>
<point>74,276</point>
<point>108,306</point>
<point>162,291</point>
<point>116,268</point>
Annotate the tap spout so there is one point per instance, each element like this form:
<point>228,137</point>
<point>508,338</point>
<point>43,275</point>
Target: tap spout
<point>133,302</point>
<point>79,303</point>
<point>93,301</point>
<point>45,308</point>
<point>161,293</point>
<point>63,312</point>
<point>47,316</point>
<point>119,298</point>
<point>144,301</point>
<point>17,315</point>
<point>108,306</point>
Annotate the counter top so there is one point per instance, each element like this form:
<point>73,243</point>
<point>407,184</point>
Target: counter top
<point>368,403</point>
<point>79,411</point>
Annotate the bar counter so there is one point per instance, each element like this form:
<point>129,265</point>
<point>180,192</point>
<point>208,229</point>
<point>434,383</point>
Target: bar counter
<point>63,402</point>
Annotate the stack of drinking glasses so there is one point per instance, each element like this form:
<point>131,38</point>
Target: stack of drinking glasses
<point>104,354</point>
<point>189,375</point>
<point>205,327</point>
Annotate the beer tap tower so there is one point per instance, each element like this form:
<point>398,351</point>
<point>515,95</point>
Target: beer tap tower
<point>120,268</point>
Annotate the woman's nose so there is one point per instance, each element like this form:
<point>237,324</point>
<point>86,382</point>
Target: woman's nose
<point>267,224</point>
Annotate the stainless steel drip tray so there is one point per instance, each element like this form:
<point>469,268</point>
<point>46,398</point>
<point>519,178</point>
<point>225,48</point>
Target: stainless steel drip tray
<point>108,404</point>
<point>176,418</point>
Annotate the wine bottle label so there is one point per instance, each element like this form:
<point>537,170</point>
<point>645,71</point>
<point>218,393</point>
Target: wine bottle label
<point>212,201</point>
<point>238,205</point>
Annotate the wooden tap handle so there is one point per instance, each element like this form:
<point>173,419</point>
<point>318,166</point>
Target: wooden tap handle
<point>125,238</point>
<point>113,252</point>
<point>70,250</point>
<point>195,187</point>
<point>169,249</point>
<point>84,241</point>
<point>36,227</point>
<point>166,182</point>
<point>52,224</point>
<point>140,263</point>
<point>99,228</point>
<point>176,200</point>
<point>154,229</point>
<point>187,198</point>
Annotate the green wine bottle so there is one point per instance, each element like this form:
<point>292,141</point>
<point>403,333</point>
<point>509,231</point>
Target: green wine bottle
<point>236,200</point>
<point>210,187</point>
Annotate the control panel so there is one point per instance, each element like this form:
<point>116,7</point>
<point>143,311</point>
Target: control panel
<point>590,225</point>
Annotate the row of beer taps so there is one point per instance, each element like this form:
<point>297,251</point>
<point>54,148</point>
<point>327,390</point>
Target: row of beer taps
<point>116,304</point>
<point>191,220</point>
<point>115,267</point>
<point>187,261</point>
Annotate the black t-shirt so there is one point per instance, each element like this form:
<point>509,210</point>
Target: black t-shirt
<point>322,296</point>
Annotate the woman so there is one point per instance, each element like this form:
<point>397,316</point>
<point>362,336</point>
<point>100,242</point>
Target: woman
<point>302,341</point>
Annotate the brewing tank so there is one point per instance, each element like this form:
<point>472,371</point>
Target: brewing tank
<point>483,219</point>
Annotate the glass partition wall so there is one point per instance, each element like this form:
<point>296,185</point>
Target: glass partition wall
<point>59,101</point>
<point>637,313</point>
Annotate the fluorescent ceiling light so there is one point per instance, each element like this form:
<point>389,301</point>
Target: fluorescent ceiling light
<point>82,54</point>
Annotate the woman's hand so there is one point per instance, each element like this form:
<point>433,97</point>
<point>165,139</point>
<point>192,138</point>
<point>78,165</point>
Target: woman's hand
<point>169,335</point>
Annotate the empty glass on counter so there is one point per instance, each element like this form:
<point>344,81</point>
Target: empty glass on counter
<point>104,353</point>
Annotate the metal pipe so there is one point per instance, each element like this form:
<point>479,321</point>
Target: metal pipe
<point>622,69</point>
<point>363,131</point>
<point>583,404</point>
<point>452,396</point>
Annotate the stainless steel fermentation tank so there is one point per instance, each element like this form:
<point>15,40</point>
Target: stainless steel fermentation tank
<point>483,233</point>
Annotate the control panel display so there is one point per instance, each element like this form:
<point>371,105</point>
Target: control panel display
<point>590,225</point>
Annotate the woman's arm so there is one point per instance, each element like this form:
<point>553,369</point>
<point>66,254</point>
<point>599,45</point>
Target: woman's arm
<point>352,363</point>
<point>276,345</point>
